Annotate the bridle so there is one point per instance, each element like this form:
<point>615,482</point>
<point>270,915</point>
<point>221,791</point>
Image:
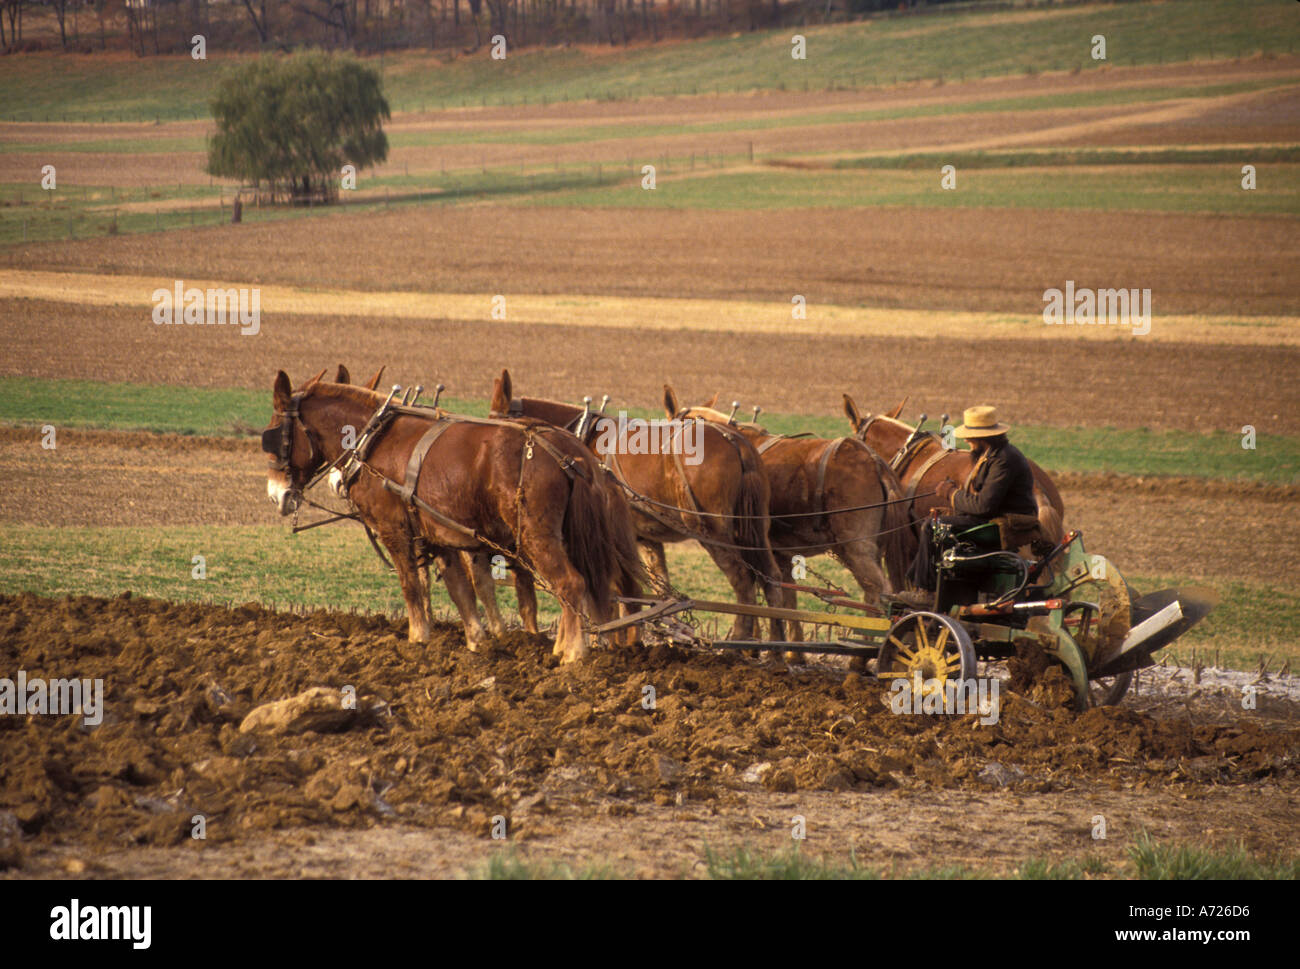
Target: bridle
<point>278,441</point>
<point>861,431</point>
<point>910,447</point>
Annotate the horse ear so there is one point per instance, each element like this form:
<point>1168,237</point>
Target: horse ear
<point>343,377</point>
<point>712,401</point>
<point>282,391</point>
<point>314,380</point>
<point>374,381</point>
<point>899,409</point>
<point>670,401</point>
<point>851,412</point>
<point>501,393</point>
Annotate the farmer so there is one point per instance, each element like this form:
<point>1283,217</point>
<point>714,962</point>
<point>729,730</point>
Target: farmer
<point>1001,484</point>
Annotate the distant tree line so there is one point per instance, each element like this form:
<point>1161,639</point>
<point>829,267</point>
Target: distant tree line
<point>369,26</point>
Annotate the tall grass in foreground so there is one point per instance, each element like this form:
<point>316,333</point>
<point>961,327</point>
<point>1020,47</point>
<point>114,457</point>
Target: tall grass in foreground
<point>1146,860</point>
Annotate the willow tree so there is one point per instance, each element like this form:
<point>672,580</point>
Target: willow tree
<point>288,125</point>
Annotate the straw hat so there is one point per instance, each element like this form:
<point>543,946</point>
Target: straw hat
<point>980,422</point>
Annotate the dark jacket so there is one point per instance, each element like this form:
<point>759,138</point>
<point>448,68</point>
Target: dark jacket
<point>1003,485</point>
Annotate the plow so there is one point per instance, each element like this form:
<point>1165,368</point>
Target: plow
<point>990,604</point>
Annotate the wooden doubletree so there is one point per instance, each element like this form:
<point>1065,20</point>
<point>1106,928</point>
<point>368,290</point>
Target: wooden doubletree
<point>288,125</point>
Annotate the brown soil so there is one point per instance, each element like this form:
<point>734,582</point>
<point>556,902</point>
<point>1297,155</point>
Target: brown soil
<point>468,736</point>
<point>950,259</point>
<point>894,829</point>
<point>1056,382</point>
<point>132,479</point>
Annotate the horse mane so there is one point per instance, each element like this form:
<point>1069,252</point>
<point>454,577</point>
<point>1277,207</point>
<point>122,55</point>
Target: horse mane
<point>354,393</point>
<point>894,422</point>
<point>552,402</point>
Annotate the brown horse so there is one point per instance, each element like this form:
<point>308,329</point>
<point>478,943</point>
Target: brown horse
<point>926,463</point>
<point>480,564</point>
<point>630,575</point>
<point>484,485</point>
<point>810,478</point>
<point>721,501</point>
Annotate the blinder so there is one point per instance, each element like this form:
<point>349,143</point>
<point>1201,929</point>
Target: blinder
<point>278,441</point>
<point>272,439</point>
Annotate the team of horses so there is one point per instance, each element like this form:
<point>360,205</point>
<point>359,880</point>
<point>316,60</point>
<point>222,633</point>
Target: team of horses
<point>537,487</point>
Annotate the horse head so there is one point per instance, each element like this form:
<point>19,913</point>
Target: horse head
<point>293,454</point>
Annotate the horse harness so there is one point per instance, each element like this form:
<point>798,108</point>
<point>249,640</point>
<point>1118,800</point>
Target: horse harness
<point>351,462</point>
<point>904,456</point>
<point>645,504</point>
<point>828,454</point>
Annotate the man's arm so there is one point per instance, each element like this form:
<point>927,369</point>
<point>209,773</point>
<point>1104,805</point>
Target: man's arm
<point>987,502</point>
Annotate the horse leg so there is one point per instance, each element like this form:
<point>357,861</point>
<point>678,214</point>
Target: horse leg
<point>789,598</point>
<point>485,587</point>
<point>554,567</point>
<point>629,588</point>
<point>414,581</point>
<point>656,562</point>
<point>461,591</point>
<point>862,559</point>
<point>742,583</point>
<point>526,595</point>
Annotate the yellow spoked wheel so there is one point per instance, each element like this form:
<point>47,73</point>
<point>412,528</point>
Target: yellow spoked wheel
<point>935,646</point>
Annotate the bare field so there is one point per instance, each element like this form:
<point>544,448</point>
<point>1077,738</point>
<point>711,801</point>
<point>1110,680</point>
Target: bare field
<point>647,314</point>
<point>729,124</point>
<point>899,831</point>
<point>915,258</point>
<point>1062,382</point>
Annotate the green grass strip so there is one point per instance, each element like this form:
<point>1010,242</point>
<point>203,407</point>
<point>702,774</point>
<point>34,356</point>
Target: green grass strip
<point>1180,189</point>
<point>213,411</point>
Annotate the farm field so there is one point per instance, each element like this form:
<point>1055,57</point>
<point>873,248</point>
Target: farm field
<point>525,181</point>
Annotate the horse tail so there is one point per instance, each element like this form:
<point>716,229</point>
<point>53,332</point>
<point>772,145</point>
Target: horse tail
<point>751,508</point>
<point>589,542</point>
<point>1051,509</point>
<point>1050,521</point>
<point>630,572</point>
<point>899,531</point>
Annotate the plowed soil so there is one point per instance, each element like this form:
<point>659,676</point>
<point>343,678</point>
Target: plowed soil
<point>1062,382</point>
<point>966,260</point>
<point>462,738</point>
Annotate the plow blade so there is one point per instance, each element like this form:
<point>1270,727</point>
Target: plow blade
<point>1157,620</point>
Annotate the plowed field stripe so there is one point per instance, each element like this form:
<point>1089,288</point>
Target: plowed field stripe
<point>655,313</point>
